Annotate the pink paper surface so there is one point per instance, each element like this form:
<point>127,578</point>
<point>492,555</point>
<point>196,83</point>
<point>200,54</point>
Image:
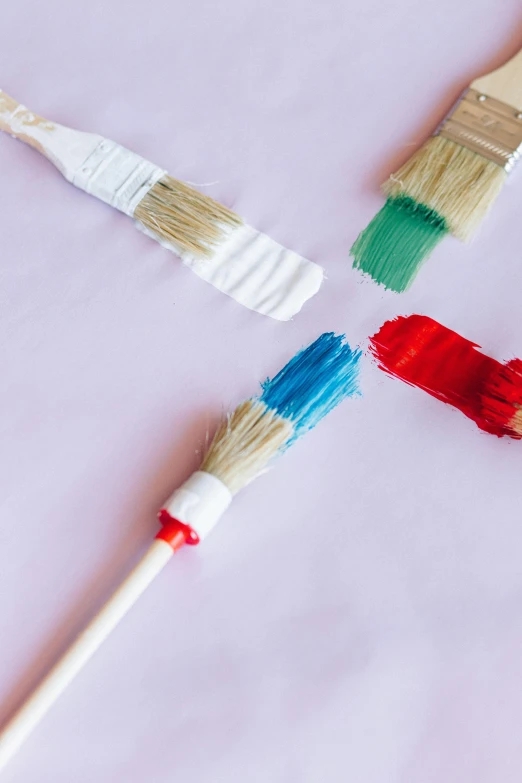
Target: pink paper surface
<point>357,616</point>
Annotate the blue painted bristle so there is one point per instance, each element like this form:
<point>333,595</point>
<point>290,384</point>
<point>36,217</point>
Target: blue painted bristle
<point>312,383</point>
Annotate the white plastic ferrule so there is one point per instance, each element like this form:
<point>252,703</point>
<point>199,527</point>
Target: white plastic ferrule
<point>200,502</point>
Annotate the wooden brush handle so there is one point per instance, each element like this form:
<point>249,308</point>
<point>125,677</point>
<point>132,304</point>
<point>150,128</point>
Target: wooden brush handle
<point>36,706</point>
<point>25,120</point>
<point>504,84</point>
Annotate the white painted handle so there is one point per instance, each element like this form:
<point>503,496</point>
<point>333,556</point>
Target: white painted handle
<point>68,149</point>
<point>99,166</point>
<point>504,84</point>
<point>9,108</point>
<point>41,700</point>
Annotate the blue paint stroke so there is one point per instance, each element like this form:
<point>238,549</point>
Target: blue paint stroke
<point>312,383</point>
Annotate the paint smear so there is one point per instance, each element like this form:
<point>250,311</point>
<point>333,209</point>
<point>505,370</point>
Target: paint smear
<point>423,353</point>
<point>393,247</point>
<point>314,382</point>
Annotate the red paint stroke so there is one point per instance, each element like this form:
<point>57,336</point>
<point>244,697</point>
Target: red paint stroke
<point>423,353</point>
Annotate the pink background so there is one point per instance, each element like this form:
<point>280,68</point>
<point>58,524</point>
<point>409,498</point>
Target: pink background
<point>358,614</point>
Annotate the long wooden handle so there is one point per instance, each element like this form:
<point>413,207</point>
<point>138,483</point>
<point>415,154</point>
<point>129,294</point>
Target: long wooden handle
<point>41,700</point>
<point>16,120</point>
<point>504,84</point>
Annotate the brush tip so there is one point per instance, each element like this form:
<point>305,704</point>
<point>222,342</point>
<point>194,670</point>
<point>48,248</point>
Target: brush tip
<point>501,400</point>
<point>314,382</point>
<point>395,244</point>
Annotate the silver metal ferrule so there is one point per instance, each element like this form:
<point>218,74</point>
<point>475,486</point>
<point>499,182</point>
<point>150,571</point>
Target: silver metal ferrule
<point>486,126</point>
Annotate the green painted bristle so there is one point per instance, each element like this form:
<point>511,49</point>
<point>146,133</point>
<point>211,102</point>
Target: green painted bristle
<point>393,247</point>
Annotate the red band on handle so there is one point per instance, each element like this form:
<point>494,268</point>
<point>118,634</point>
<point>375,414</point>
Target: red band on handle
<point>174,532</point>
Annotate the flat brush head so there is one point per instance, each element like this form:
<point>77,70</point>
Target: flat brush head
<point>448,185</point>
<point>185,218</point>
<point>395,244</point>
<point>458,185</point>
<point>426,354</point>
<point>312,384</point>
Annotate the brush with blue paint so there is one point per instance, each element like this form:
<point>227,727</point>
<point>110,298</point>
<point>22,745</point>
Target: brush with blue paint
<point>314,382</point>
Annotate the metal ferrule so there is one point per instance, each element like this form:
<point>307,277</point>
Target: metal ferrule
<point>487,127</point>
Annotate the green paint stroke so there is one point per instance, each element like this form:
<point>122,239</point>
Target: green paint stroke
<point>393,247</point>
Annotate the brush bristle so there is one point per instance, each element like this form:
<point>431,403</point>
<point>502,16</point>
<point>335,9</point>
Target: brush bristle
<point>314,382</point>
<point>502,399</point>
<point>245,443</point>
<point>398,240</point>
<point>185,218</point>
<point>454,182</point>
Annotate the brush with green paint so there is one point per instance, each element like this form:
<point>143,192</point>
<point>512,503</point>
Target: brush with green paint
<point>450,183</point>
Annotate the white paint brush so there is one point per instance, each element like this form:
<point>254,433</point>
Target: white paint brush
<point>211,239</point>
<point>293,402</point>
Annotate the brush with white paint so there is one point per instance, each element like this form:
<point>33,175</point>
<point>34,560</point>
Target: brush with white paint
<point>316,380</point>
<point>211,239</point>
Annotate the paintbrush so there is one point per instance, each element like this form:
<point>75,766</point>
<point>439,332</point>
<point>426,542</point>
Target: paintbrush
<point>450,183</point>
<point>293,402</point>
<point>426,354</point>
<point>210,238</point>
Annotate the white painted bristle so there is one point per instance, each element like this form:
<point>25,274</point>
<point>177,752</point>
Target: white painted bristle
<point>459,185</point>
<point>183,217</point>
<point>244,444</point>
